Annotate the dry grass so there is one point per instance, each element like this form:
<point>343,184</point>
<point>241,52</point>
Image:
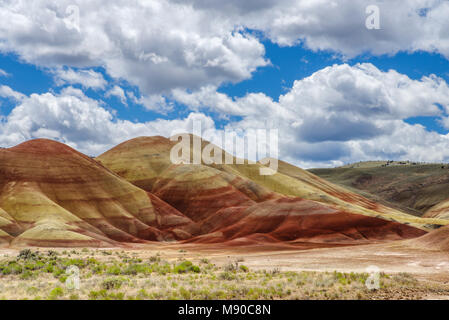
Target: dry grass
<point>126,275</point>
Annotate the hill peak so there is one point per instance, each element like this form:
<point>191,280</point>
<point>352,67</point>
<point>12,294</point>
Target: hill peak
<point>43,146</point>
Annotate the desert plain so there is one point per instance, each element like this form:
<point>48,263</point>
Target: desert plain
<point>130,224</point>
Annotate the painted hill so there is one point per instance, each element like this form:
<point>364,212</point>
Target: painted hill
<point>232,202</point>
<point>413,187</point>
<point>296,221</point>
<point>52,195</point>
<point>437,240</point>
<point>145,162</point>
<point>439,211</point>
<point>294,181</point>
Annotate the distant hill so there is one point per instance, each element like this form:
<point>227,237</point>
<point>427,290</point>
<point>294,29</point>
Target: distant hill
<point>410,186</point>
<point>385,163</point>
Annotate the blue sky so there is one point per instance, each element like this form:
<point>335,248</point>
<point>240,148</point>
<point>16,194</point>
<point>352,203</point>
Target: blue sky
<point>338,91</point>
<point>287,65</point>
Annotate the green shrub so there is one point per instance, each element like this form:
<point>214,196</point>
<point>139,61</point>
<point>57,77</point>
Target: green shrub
<point>26,275</point>
<point>155,259</point>
<point>57,272</point>
<point>110,284</point>
<point>34,266</point>
<point>142,294</point>
<point>98,269</point>
<point>186,266</point>
<point>95,295</point>
<point>49,268</point>
<point>52,253</point>
<point>227,275</point>
<point>135,268</point>
<point>244,268</point>
<point>12,268</point>
<point>104,295</point>
<point>185,294</point>
<point>56,293</point>
<point>80,263</point>
<point>161,269</point>
<point>6,270</point>
<point>92,261</point>
<point>116,296</point>
<point>27,254</point>
<point>115,270</point>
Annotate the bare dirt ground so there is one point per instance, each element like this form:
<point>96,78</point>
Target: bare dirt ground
<point>429,268</point>
<point>393,257</point>
<point>390,258</point>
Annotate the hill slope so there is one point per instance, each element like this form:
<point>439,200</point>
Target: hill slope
<point>293,181</point>
<point>53,195</point>
<point>144,160</point>
<point>412,188</point>
<point>234,201</point>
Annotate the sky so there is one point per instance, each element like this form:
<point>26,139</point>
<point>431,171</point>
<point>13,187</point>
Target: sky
<point>340,82</point>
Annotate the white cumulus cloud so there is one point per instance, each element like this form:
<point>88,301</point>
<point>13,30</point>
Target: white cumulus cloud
<point>86,78</point>
<point>81,122</point>
<point>7,92</point>
<point>343,113</point>
<point>163,45</point>
<point>118,92</point>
